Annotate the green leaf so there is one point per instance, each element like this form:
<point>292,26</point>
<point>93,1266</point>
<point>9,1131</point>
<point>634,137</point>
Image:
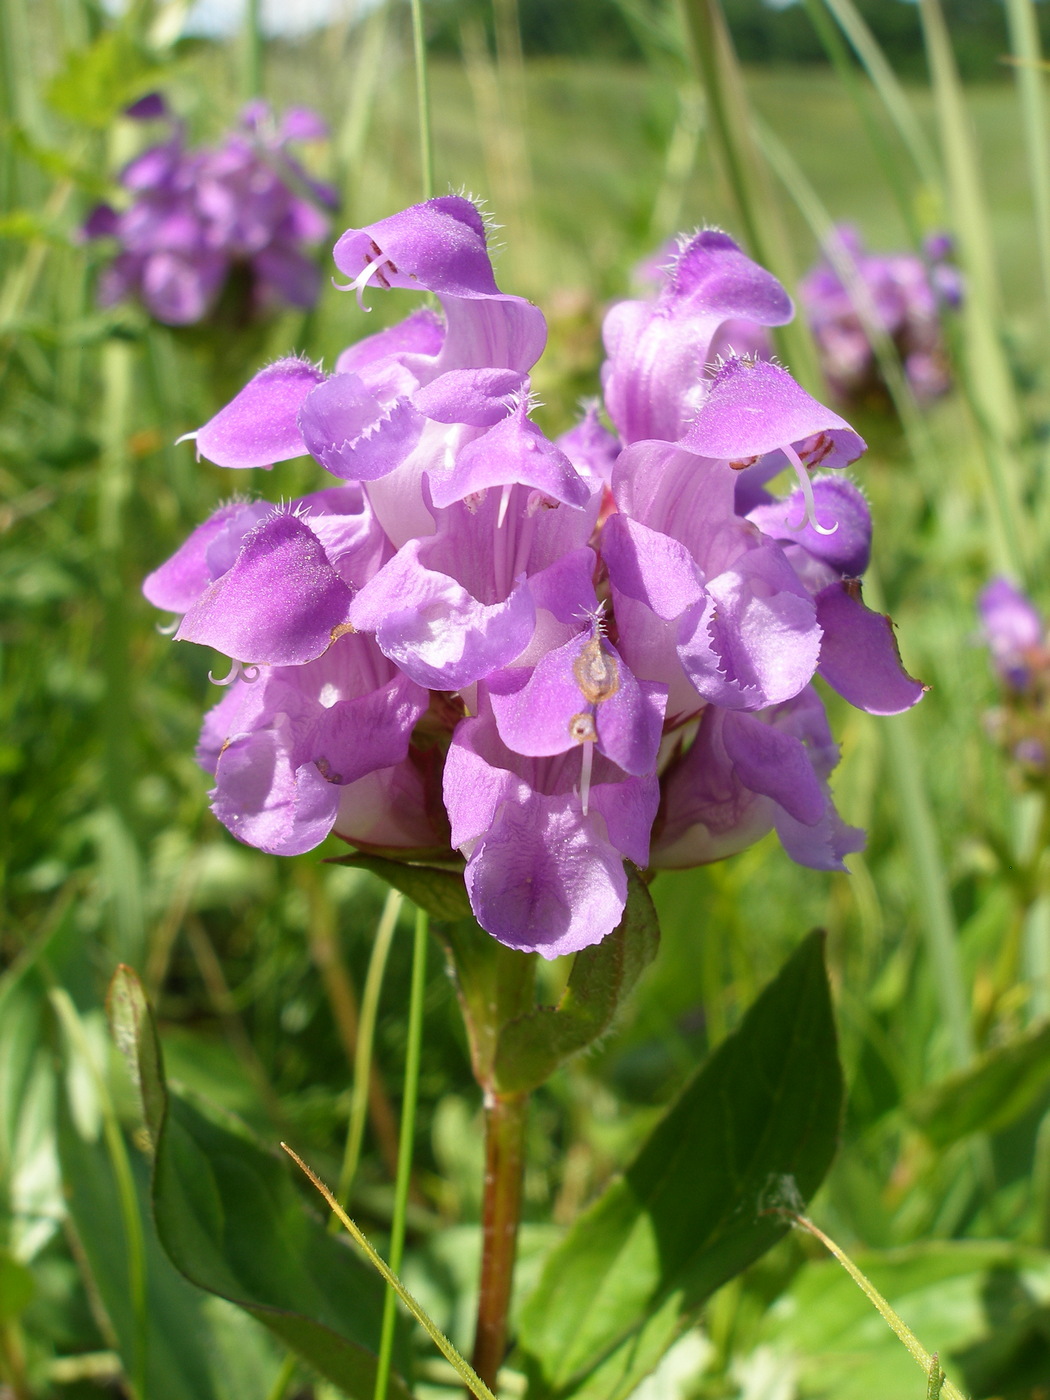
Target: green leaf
<point>231,1221</point>
<point>761,1114</point>
<point>994,1093</point>
<point>96,83</point>
<point>187,1350</point>
<point>136,1038</point>
<point>440,891</point>
<point>532,1047</point>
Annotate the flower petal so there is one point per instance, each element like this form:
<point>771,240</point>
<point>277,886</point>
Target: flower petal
<point>542,879</point>
<point>259,427</point>
<point>437,632</point>
<point>859,656</point>
<point>754,407</point>
<point>280,602</point>
<point>478,397</point>
<point>755,641</point>
<point>847,549</point>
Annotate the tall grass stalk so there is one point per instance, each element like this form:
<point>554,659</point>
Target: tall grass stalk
<point>710,48</point>
<point>987,380</point>
<point>467,1375</point>
<point>366,1031</point>
<point>426,137</point>
<point>836,49</point>
<point>116,824</point>
<point>1031,87</point>
<point>890,90</point>
<point>404,1163</point>
<point>253,49</point>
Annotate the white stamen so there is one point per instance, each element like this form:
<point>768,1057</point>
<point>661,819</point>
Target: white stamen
<point>809,512</point>
<point>239,671</point>
<point>168,629</point>
<point>362,280</point>
<point>587,758</point>
<point>504,502</point>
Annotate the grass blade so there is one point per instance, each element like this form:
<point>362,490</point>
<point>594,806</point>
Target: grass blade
<point>470,1379</point>
<point>1031,87</point>
<point>710,48</point>
<point>404,1160</point>
<point>987,377</point>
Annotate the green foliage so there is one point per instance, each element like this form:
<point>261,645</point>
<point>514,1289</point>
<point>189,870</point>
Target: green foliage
<point>1000,1087</point>
<point>96,83</point>
<point>232,1223</point>
<point>698,1204</point>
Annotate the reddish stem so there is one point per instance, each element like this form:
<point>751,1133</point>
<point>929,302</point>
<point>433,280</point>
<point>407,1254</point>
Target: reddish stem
<point>505,1116</point>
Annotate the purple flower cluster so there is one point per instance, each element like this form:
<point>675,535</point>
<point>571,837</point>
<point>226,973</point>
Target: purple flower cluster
<point>905,296</point>
<point>550,656</point>
<point>1014,633</point>
<point>196,215</point>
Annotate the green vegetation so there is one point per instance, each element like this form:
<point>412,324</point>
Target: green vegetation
<point>109,853</point>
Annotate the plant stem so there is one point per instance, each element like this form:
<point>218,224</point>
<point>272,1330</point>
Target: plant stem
<point>505,1117</point>
<point>366,1082</point>
<point>253,49</point>
<point>426,142</point>
<point>404,1160</point>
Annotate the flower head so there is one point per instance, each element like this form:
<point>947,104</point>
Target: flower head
<point>1013,630</point>
<point>902,295</point>
<point>191,216</point>
<point>551,657</point>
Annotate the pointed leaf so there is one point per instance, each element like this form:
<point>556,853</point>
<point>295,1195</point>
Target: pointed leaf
<point>231,1221</point>
<point>688,1214</point>
<point>993,1093</point>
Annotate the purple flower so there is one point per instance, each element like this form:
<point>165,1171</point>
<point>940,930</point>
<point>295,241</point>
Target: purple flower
<point>902,294</point>
<point>551,657</point>
<point>193,216</point>
<point>1012,629</point>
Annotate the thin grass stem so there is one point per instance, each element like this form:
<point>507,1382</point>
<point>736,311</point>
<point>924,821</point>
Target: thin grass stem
<point>253,49</point>
<point>462,1368</point>
<point>939,930</point>
<point>710,48</point>
<point>1031,87</point>
<point>835,47</point>
<point>404,1164</point>
<point>890,89</point>
<point>987,380</point>
<point>283,1378</point>
<point>366,1034</point>
<point>937,1382</point>
<point>426,139</point>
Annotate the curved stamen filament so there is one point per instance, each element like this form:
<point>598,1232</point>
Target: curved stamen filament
<point>362,280</point>
<point>239,671</point>
<point>809,513</point>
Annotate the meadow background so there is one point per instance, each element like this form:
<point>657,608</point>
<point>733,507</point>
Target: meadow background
<point>589,157</point>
